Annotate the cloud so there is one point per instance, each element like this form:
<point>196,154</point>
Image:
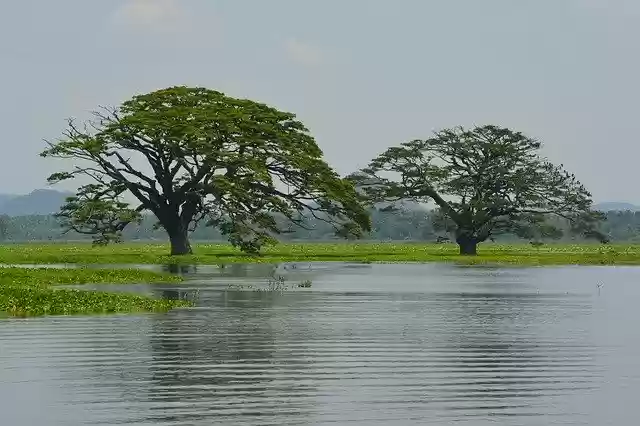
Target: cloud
<point>156,15</point>
<point>303,53</point>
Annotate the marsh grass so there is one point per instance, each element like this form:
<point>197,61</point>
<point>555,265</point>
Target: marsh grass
<point>305,284</point>
<point>517,254</point>
<point>83,275</point>
<point>275,284</point>
<point>28,292</point>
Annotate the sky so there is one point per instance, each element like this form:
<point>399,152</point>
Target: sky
<point>363,75</point>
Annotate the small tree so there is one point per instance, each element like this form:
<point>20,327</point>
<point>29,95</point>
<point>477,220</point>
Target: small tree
<point>485,181</point>
<point>229,162</point>
<point>4,227</point>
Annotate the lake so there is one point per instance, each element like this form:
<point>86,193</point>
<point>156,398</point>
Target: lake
<point>409,344</point>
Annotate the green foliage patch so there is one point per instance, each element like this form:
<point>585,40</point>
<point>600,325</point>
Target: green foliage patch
<point>26,292</point>
<point>138,253</point>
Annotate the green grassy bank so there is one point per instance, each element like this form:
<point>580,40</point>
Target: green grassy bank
<point>31,292</point>
<point>131,253</point>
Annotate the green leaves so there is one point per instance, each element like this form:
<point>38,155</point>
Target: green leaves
<point>59,177</point>
<point>29,292</point>
<point>485,181</point>
<point>203,156</point>
<point>98,211</point>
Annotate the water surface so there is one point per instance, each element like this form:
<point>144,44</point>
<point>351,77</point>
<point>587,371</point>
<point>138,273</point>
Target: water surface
<point>365,344</point>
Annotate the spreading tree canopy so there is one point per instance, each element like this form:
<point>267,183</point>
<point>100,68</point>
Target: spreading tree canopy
<point>188,155</point>
<point>485,181</point>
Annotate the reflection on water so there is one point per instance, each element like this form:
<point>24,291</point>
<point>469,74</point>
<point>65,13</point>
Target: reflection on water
<point>180,269</point>
<point>366,344</point>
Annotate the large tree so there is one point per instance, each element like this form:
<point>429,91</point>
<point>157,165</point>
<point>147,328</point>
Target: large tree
<point>485,181</point>
<point>188,155</point>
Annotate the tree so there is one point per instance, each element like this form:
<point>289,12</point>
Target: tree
<point>4,227</point>
<point>485,181</point>
<point>226,162</point>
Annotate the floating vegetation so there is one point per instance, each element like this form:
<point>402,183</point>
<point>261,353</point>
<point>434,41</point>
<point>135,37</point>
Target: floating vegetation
<point>277,283</point>
<point>28,292</point>
<point>305,284</point>
<point>83,275</point>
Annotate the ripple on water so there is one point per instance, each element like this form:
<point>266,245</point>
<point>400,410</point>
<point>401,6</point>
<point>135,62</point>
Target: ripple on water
<point>381,344</point>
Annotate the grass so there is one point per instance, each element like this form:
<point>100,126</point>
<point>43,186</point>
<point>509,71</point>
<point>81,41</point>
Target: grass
<point>26,292</point>
<point>141,253</point>
<point>55,276</point>
<point>31,291</point>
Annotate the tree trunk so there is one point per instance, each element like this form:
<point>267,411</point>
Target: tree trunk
<point>180,242</point>
<point>468,245</point>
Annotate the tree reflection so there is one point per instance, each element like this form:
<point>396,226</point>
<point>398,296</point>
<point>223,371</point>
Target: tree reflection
<point>179,269</point>
<point>220,363</point>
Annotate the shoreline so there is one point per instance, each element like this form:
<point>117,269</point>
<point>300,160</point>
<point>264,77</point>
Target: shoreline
<point>368,252</point>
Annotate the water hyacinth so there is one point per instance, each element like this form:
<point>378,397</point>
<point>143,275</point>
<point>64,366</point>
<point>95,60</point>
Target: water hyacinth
<point>31,292</point>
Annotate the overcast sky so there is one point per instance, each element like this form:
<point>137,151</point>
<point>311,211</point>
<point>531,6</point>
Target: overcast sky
<point>362,74</point>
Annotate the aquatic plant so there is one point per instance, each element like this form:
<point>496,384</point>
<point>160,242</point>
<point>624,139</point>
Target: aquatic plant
<point>82,275</point>
<point>305,284</point>
<point>31,292</point>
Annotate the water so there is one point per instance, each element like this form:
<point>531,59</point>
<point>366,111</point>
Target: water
<point>365,345</point>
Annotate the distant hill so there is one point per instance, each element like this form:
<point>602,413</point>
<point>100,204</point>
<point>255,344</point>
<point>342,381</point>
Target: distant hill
<point>615,206</point>
<point>38,202</point>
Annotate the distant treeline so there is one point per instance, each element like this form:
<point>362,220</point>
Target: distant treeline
<point>400,225</point>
